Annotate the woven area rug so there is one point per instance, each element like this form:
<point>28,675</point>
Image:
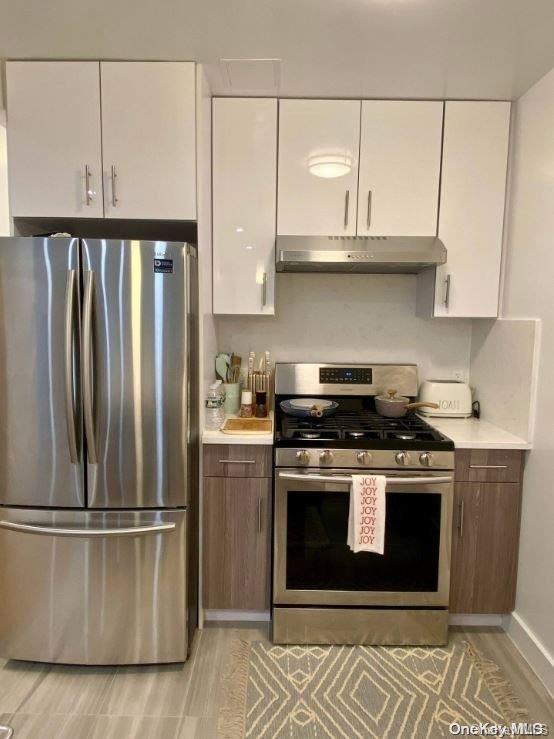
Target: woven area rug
<point>300,692</point>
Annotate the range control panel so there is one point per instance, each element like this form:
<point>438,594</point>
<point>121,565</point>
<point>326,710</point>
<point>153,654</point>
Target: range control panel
<point>345,375</point>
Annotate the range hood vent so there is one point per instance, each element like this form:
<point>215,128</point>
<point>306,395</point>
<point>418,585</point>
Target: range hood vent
<point>363,254</point>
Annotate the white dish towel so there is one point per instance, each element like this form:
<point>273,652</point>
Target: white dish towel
<point>366,517</point>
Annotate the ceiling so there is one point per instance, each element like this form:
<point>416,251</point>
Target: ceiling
<point>328,48</point>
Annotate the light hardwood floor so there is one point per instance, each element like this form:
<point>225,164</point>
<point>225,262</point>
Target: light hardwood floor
<point>176,701</point>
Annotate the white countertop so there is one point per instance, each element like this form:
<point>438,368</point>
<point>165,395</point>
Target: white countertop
<point>218,437</point>
<point>470,433</point>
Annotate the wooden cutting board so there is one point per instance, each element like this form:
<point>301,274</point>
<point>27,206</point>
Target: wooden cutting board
<point>247,426</point>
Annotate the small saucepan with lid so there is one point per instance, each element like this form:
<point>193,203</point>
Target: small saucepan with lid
<point>392,405</point>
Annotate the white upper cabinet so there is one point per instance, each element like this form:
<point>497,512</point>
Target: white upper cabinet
<point>244,199</point>
<point>400,159</point>
<point>148,139</point>
<point>473,188</point>
<point>318,138</point>
<point>54,140</point>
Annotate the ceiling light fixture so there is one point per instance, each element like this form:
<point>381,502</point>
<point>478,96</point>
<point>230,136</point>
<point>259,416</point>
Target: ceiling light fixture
<point>330,165</point>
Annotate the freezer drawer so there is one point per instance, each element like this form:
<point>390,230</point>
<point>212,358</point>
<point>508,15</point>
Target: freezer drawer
<point>93,588</point>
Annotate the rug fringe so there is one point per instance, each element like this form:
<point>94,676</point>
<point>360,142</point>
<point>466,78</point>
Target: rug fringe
<point>234,684</point>
<point>500,688</point>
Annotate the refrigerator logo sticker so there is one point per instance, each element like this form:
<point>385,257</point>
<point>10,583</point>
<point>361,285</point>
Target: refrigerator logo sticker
<point>164,266</point>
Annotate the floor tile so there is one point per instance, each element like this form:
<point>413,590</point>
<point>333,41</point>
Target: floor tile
<point>40,726</point>
<point>135,727</point>
<point>18,680</point>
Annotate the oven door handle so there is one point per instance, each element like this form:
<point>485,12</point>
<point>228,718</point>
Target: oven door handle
<point>347,479</point>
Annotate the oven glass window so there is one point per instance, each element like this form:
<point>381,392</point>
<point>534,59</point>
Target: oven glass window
<point>318,557</point>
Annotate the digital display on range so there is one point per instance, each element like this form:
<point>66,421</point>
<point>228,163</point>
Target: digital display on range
<point>345,376</point>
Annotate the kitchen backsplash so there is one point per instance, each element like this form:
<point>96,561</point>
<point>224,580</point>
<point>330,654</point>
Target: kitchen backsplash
<point>350,318</point>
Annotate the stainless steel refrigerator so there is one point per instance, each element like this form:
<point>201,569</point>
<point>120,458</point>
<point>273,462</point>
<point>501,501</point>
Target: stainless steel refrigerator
<point>98,450</point>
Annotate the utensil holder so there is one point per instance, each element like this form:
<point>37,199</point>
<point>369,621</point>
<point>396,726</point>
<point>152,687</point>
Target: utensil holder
<point>232,398</point>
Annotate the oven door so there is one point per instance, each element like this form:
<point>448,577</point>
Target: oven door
<point>313,564</point>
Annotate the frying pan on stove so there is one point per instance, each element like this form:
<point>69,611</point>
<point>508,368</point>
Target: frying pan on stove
<point>308,407</point>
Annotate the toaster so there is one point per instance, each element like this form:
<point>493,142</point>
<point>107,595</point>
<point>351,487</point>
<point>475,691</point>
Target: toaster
<point>452,397</point>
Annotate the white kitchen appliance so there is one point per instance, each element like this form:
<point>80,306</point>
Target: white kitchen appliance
<point>452,397</point>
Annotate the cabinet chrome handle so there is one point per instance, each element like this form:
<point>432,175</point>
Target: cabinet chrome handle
<point>447,292</point>
<point>88,191</point>
<point>68,362</point>
<point>488,466</point>
<point>461,519</point>
<point>369,197</point>
<point>264,289</point>
<point>86,354</point>
<point>259,515</point>
<point>84,533</point>
<point>346,202</point>
<point>237,461</point>
<point>115,199</point>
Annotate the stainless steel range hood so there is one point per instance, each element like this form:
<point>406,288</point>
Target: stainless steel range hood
<point>364,254</point>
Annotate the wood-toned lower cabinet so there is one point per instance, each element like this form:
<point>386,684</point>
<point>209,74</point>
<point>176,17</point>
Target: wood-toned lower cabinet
<point>485,535</point>
<point>237,543</point>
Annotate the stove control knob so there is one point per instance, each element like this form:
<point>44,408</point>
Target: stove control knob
<point>326,457</point>
<point>302,456</point>
<point>402,458</point>
<point>364,457</point>
<point>426,459</point>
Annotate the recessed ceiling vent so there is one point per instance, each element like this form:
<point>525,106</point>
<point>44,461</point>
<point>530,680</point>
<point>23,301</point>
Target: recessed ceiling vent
<point>251,75</point>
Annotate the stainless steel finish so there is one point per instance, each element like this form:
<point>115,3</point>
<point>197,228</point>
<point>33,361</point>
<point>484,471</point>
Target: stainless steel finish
<point>137,392</point>
<point>237,461</point>
<point>326,456</point>
<point>115,199</point>
<point>447,291</point>
<point>69,353</point>
<point>369,197</point>
<point>85,533</point>
<point>402,458</point>
<point>360,626</point>
<point>372,254</point>
<point>264,289</point>
<point>88,192</point>
<point>337,481</point>
<point>364,458</point>
<point>346,204</point>
<point>348,459</point>
<point>35,461</point>
<point>88,379</point>
<point>347,479</point>
<point>260,515</point>
<point>461,519</point>
<point>488,466</point>
<point>303,379</point>
<point>94,601</point>
<point>426,459</point>
<point>302,456</point>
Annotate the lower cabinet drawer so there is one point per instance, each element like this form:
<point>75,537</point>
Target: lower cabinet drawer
<point>489,465</point>
<point>237,460</point>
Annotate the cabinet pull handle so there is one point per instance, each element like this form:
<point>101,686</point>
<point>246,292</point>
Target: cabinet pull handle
<point>88,192</point>
<point>259,515</point>
<point>369,196</point>
<point>447,292</point>
<point>237,461</point>
<point>488,466</point>
<point>461,519</point>
<point>346,202</point>
<point>115,199</point>
<point>264,289</point>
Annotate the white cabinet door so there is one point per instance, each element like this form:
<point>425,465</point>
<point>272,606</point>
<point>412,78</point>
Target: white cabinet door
<point>244,194</point>
<point>54,142</point>
<point>316,132</point>
<point>148,139</point>
<point>473,189</point>
<point>400,157</point>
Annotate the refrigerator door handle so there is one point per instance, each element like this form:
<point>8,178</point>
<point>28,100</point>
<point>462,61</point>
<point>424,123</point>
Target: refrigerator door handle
<point>83,533</point>
<point>87,368</point>
<point>68,361</point>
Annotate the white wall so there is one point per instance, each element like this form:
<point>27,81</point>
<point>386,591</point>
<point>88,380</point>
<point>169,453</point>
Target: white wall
<point>529,292</point>
<point>4,211</point>
<point>350,318</point>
